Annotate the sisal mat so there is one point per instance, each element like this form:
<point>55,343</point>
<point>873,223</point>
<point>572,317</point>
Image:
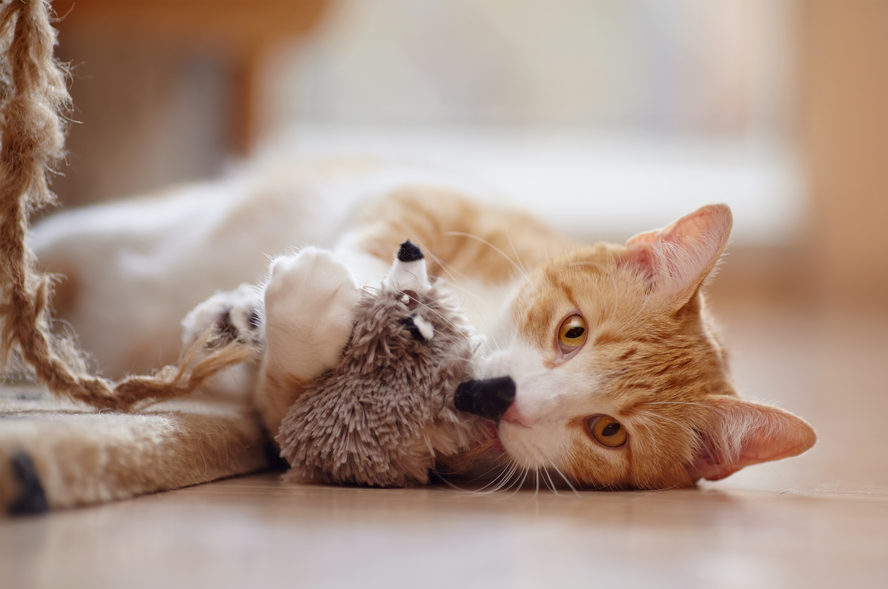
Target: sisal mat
<point>56,454</point>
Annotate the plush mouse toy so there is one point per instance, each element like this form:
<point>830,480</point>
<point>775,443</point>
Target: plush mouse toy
<point>386,413</point>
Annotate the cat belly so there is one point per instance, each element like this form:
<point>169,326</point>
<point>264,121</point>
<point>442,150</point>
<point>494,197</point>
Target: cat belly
<point>133,269</point>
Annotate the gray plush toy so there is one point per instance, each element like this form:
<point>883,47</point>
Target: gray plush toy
<point>386,413</point>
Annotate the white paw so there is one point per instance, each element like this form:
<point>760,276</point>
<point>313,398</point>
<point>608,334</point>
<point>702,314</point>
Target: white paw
<point>227,316</point>
<point>310,301</point>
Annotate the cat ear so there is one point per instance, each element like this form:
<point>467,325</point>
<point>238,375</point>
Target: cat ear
<point>741,433</point>
<point>676,259</point>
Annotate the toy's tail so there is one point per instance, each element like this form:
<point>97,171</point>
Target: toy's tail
<point>33,100</point>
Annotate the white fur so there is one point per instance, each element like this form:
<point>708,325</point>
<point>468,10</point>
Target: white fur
<point>140,265</point>
<point>534,430</point>
<point>238,303</point>
<point>310,300</point>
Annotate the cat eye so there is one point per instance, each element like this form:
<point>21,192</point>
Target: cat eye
<point>572,334</point>
<point>607,431</point>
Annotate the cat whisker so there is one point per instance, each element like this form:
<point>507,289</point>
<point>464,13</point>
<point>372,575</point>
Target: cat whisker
<point>501,463</point>
<point>440,262</point>
<point>516,478</point>
<point>541,457</point>
<point>454,281</point>
<point>663,417</point>
<point>520,484</point>
<point>564,478</point>
<point>499,481</point>
<point>507,478</point>
<point>452,285</point>
<point>480,239</point>
<point>551,483</point>
<point>437,313</point>
<point>517,257</point>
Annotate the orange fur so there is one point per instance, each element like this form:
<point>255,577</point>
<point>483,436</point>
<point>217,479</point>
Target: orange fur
<point>464,238</point>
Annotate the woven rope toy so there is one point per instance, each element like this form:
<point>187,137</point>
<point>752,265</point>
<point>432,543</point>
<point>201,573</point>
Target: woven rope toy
<point>33,101</point>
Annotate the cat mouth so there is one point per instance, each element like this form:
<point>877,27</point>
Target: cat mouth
<point>490,433</point>
<point>488,399</point>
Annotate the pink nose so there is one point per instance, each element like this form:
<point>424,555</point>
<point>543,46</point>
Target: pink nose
<point>514,416</point>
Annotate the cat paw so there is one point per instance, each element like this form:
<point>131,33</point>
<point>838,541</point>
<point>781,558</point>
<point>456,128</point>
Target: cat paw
<point>310,301</point>
<point>227,316</point>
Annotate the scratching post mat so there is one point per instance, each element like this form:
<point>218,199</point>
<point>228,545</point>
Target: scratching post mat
<point>54,450</point>
<point>57,453</point>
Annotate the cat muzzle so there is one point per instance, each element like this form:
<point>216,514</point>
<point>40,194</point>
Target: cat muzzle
<point>489,398</point>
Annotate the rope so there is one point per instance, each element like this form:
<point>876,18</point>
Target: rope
<point>33,100</point>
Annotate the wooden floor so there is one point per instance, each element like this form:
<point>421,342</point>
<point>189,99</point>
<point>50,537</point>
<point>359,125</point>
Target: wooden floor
<point>820,520</point>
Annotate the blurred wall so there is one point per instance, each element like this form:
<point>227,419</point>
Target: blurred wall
<point>160,94</point>
<point>673,67</point>
<point>843,115</point>
<point>148,112</point>
<point>165,91</point>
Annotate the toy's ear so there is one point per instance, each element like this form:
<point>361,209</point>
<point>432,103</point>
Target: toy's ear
<point>676,259</point>
<point>409,273</point>
<point>742,433</point>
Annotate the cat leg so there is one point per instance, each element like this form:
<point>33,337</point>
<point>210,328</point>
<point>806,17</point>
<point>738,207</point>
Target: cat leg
<point>232,315</point>
<point>228,316</point>
<point>310,300</point>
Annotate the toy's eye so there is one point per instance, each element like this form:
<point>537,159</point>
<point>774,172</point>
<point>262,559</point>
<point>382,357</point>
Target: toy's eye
<point>572,334</point>
<point>419,328</point>
<point>607,431</point>
<point>410,298</point>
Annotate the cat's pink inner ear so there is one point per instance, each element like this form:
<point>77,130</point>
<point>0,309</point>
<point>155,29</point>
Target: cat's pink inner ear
<point>642,238</point>
<point>741,433</point>
<point>676,259</point>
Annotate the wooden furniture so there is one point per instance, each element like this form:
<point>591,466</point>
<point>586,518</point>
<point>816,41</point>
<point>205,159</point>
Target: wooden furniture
<point>843,121</point>
<point>245,31</point>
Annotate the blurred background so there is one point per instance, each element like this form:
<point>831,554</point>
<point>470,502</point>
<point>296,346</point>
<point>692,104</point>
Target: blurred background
<point>605,117</point>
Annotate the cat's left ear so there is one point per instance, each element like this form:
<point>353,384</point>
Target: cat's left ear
<point>741,433</point>
<point>676,259</point>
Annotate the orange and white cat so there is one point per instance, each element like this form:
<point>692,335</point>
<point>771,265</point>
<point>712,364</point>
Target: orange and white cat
<point>619,378</point>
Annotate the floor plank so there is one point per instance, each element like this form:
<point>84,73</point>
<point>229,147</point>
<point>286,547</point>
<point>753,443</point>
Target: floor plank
<point>815,521</point>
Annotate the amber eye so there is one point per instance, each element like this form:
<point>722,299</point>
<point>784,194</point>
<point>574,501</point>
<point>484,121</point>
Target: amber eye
<point>607,431</point>
<point>572,333</point>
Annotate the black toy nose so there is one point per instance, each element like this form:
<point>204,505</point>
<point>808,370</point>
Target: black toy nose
<point>488,398</point>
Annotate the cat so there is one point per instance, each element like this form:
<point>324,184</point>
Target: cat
<point>620,379</point>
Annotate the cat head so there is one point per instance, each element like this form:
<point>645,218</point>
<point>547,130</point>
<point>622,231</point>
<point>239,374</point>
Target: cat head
<point>617,375</point>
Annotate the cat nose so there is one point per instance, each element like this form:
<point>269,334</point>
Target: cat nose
<point>488,398</point>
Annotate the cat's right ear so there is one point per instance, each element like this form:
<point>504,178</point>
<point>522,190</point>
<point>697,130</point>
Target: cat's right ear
<point>739,433</point>
<point>675,260</point>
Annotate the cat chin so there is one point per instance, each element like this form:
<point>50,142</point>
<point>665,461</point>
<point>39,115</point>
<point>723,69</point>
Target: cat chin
<point>529,447</point>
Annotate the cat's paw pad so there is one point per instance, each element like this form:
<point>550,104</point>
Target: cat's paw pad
<point>227,316</point>
<point>310,301</point>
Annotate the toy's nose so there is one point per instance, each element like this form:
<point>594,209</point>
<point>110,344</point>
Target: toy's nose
<point>488,398</point>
